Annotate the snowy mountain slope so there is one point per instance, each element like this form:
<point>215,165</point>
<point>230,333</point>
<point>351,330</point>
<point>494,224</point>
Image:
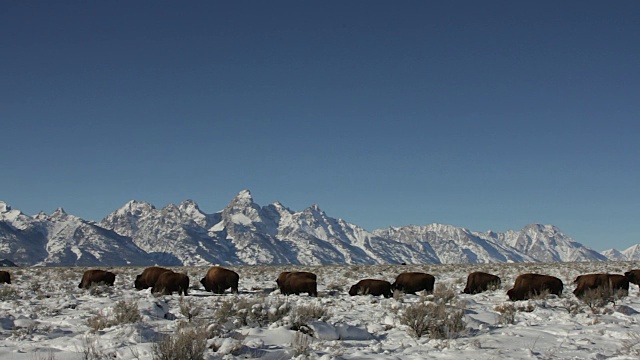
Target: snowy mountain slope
<point>23,238</point>
<point>613,254</point>
<point>548,243</point>
<point>63,240</point>
<point>244,233</point>
<point>356,244</point>
<point>173,235</point>
<point>450,244</point>
<point>630,254</point>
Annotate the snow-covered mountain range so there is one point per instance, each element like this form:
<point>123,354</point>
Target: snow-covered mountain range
<point>244,233</point>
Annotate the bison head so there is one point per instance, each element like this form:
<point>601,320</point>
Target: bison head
<point>395,286</point>
<point>632,276</point>
<point>354,290</point>
<point>138,284</point>
<point>204,283</point>
<point>514,295</point>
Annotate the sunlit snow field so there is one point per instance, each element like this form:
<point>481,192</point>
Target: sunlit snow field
<point>44,315</point>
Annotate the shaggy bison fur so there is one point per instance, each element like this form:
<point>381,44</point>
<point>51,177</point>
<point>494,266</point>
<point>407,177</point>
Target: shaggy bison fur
<point>371,287</point>
<point>281,280</point>
<point>169,282</point>
<point>410,282</point>
<point>299,283</point>
<point>478,282</point>
<point>219,279</point>
<point>529,285</point>
<point>149,277</point>
<point>604,282</point>
<point>91,277</point>
<point>5,277</point>
<point>633,276</point>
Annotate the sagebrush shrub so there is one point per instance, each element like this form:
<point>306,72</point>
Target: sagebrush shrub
<point>91,351</point>
<point>442,293</point>
<point>188,343</point>
<point>223,312</point>
<point>438,321</point>
<point>100,289</point>
<point>189,308</point>
<point>572,306</point>
<point>301,344</point>
<point>507,313</point>
<point>124,312</point>
<point>257,312</point>
<point>98,322</point>
<point>301,315</point>
<point>7,292</point>
<point>415,317</point>
<point>600,297</point>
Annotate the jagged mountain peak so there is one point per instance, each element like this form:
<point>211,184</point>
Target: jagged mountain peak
<point>546,228</point>
<point>315,209</point>
<point>188,203</point>
<point>191,209</point>
<point>60,215</point>
<point>280,207</point>
<point>9,214</point>
<point>132,208</point>
<point>243,196</point>
<point>446,228</point>
<point>136,204</point>
<point>242,210</point>
<point>4,207</point>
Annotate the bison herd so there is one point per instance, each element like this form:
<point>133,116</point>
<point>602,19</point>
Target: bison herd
<point>219,279</point>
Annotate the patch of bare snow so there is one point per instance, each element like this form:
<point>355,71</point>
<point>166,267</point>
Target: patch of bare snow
<point>241,219</point>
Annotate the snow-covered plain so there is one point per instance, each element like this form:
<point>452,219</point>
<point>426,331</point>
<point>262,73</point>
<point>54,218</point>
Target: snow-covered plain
<point>44,315</point>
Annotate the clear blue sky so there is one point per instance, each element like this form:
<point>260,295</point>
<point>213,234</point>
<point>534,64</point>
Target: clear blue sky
<point>481,114</point>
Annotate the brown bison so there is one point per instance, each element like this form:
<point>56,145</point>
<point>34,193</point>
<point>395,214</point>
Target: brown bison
<point>149,277</point>
<point>5,277</point>
<point>280,281</point>
<point>219,279</point>
<point>529,285</point>
<point>91,277</point>
<point>633,276</point>
<point>606,282</point>
<point>295,283</point>
<point>371,287</point>
<point>410,282</point>
<point>170,281</point>
<point>478,282</point>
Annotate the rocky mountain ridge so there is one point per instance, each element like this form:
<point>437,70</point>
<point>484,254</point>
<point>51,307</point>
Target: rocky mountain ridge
<point>244,233</point>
